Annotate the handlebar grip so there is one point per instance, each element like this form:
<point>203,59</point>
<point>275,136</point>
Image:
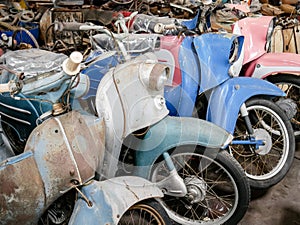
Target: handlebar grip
<point>75,26</point>
<point>69,26</point>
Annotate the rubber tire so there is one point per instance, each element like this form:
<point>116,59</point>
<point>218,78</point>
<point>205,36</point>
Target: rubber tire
<point>263,184</point>
<point>150,205</point>
<point>288,79</point>
<point>233,167</point>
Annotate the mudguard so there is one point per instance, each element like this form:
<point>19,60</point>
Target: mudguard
<point>274,63</point>
<point>110,199</point>
<point>225,101</point>
<point>173,132</point>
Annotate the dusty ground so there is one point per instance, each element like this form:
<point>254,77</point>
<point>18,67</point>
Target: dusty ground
<point>280,205</point>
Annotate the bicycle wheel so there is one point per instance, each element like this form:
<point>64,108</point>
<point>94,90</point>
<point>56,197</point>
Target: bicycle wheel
<point>267,165</point>
<point>148,212</point>
<point>218,191</point>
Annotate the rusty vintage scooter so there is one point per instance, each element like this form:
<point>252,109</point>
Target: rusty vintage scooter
<point>49,163</point>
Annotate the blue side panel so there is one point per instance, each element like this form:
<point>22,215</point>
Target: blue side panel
<point>191,24</point>
<point>226,100</point>
<point>190,70</point>
<point>96,71</point>
<point>172,96</point>
<point>213,51</point>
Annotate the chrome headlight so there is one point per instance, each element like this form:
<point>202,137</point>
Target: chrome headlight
<point>234,51</point>
<point>236,56</point>
<point>269,35</point>
<point>156,77</point>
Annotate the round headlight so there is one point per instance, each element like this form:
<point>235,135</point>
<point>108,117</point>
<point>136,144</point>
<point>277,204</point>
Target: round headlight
<point>234,51</point>
<point>158,77</point>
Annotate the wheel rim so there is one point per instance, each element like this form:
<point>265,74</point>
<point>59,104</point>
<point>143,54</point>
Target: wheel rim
<point>262,166</point>
<point>141,214</point>
<point>292,92</point>
<point>212,193</point>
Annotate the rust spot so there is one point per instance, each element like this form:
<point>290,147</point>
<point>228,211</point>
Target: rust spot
<point>8,187</point>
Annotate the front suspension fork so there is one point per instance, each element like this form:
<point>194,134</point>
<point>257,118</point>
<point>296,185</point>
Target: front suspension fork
<point>252,140</point>
<point>172,185</point>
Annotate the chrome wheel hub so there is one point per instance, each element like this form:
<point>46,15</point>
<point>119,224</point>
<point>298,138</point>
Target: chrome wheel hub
<point>262,134</point>
<point>196,189</point>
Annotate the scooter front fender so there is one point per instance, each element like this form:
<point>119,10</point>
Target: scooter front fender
<point>110,199</point>
<point>274,63</point>
<point>173,132</point>
<point>225,101</point>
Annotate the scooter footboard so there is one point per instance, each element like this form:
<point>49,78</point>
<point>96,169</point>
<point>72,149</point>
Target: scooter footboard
<point>110,199</point>
<point>225,101</point>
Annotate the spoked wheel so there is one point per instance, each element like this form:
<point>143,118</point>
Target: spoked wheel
<point>148,212</point>
<point>268,164</point>
<point>290,104</point>
<point>217,188</point>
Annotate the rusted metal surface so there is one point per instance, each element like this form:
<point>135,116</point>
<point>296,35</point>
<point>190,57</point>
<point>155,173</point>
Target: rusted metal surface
<point>21,191</point>
<point>65,151</point>
<point>62,151</point>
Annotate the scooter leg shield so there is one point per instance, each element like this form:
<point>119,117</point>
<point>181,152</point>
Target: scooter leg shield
<point>22,196</point>
<point>225,101</point>
<point>110,199</point>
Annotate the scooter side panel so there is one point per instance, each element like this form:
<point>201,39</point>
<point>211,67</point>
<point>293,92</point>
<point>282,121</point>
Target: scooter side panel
<point>111,199</point>
<point>273,63</point>
<point>176,131</point>
<point>225,101</point>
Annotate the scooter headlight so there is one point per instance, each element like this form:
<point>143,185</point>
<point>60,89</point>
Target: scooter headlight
<point>269,35</point>
<point>156,77</point>
<point>236,56</point>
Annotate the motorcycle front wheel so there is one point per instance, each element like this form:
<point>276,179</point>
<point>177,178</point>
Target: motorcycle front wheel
<point>265,165</point>
<point>290,104</point>
<point>148,212</point>
<point>217,188</point>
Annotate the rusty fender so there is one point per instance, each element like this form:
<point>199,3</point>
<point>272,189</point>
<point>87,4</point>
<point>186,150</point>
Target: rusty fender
<point>111,199</point>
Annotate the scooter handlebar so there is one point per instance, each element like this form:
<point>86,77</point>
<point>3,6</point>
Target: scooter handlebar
<point>4,88</point>
<point>75,26</point>
<point>10,87</point>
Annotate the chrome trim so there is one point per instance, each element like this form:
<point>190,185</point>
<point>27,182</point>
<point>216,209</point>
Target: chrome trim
<point>15,108</point>
<point>14,118</point>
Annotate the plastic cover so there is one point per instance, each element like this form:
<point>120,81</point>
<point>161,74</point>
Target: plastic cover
<point>133,43</point>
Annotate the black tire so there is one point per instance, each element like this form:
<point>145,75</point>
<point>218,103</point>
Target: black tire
<point>212,174</point>
<point>290,84</point>
<point>148,212</point>
<point>269,164</point>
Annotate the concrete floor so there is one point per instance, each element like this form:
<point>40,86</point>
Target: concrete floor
<point>279,205</point>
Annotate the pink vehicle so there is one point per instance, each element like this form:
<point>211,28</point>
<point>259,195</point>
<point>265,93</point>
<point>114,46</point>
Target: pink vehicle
<point>282,69</point>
